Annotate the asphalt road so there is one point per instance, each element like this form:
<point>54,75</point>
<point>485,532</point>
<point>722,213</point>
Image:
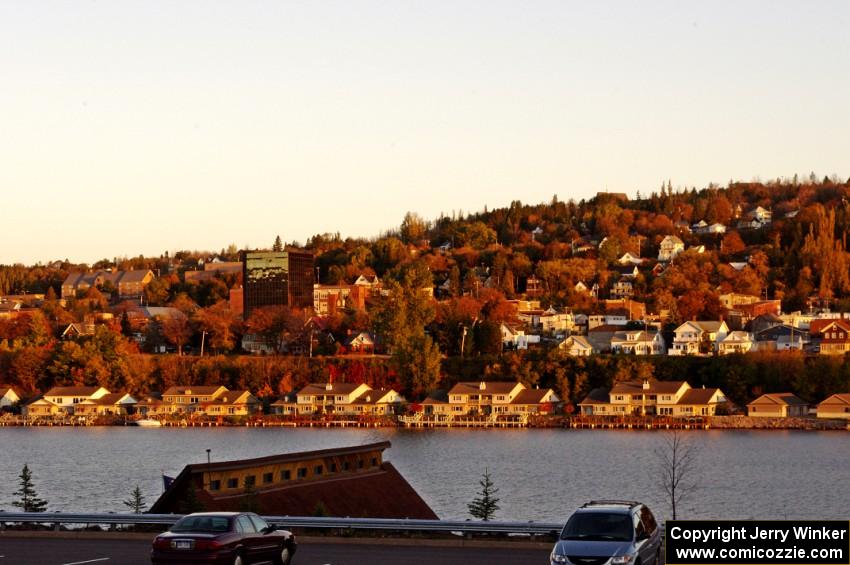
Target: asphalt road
<point>51,551</point>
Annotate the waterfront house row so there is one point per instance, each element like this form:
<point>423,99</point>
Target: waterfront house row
<point>80,401</point>
<point>789,405</point>
<point>652,397</point>
<point>342,399</point>
<point>491,398</point>
<point>201,400</point>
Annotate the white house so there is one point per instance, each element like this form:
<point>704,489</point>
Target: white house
<point>628,258</point>
<point>576,346</point>
<point>638,342</point>
<point>670,246</point>
<point>691,335</point>
<point>8,396</point>
<point>736,342</point>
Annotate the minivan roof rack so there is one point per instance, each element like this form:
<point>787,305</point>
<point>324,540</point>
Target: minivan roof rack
<point>606,502</point>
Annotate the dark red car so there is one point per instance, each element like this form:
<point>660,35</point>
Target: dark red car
<point>223,538</point>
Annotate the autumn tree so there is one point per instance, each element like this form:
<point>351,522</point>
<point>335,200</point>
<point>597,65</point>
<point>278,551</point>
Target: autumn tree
<point>220,325</point>
<point>400,321</point>
<point>413,228</point>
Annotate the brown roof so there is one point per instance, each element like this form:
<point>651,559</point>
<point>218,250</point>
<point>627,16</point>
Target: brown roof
<point>336,388</point>
<point>655,386</point>
<point>382,493</point>
<point>490,387</point>
<point>111,398</point>
<point>5,389</point>
<point>531,396</point>
<point>232,396</point>
<point>182,390</point>
<point>778,398</point>
<point>838,399</point>
<point>597,396</point>
<point>379,492</point>
<point>72,391</point>
<point>697,396</point>
<point>818,326</point>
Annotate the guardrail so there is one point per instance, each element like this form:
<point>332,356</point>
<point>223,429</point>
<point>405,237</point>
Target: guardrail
<point>304,522</point>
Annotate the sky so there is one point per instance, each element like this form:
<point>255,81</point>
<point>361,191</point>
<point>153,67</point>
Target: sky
<point>132,128</point>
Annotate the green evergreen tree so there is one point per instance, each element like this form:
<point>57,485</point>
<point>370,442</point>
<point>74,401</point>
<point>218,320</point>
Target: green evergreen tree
<point>278,244</point>
<point>136,502</point>
<point>29,500</point>
<point>485,505</point>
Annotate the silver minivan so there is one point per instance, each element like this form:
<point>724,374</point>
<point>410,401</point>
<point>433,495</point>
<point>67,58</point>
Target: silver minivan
<point>609,532</point>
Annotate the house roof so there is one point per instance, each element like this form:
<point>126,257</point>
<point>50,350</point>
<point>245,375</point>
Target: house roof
<point>820,326</point>
<point>193,390</point>
<point>531,396</point>
<point>842,399</point>
<point>113,398</point>
<point>597,396</point>
<point>72,391</point>
<point>672,239</point>
<point>380,492</point>
<point>234,397</point>
<point>335,388</point>
<point>490,387</point>
<point>162,311</point>
<point>738,337</point>
<point>373,396</point>
<point>698,396</point>
<point>4,390</point>
<point>778,399</point>
<point>655,386</point>
<point>579,341</point>
<point>640,335</point>
<point>710,326</point>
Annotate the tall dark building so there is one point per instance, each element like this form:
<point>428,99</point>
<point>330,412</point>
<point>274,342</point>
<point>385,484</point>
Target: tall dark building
<point>277,278</point>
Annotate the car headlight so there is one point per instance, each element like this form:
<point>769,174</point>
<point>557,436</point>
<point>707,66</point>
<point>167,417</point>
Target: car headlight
<point>621,559</point>
<point>558,558</point>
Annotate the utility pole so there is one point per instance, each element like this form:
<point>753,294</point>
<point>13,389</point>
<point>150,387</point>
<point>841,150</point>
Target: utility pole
<point>209,475</point>
<point>203,335</point>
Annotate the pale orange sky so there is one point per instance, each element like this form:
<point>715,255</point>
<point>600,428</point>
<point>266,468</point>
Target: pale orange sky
<point>141,127</point>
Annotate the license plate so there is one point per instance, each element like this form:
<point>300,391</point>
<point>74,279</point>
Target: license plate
<point>182,544</point>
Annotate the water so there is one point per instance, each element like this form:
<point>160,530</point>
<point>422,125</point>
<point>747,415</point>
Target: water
<point>542,474</point>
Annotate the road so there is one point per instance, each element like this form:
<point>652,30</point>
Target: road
<point>51,551</point>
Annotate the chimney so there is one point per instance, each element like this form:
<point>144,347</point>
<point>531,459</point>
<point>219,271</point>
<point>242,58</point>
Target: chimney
<point>645,384</point>
<point>482,386</point>
<point>329,386</point>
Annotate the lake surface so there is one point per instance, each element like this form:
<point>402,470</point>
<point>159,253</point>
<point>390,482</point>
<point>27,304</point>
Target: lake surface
<point>542,474</point>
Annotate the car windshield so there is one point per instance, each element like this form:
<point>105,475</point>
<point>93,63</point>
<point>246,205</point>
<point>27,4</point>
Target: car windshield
<point>598,526</point>
<point>202,524</point>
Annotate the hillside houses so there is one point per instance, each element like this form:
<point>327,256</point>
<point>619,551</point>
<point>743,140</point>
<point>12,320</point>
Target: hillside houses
<point>698,337</point>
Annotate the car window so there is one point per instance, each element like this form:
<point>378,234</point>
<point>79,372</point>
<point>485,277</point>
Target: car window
<point>599,526</point>
<point>259,523</point>
<point>202,524</point>
<point>648,520</point>
<point>245,525</point>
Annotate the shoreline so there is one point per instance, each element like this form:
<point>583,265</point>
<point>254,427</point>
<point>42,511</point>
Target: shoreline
<point>546,422</point>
